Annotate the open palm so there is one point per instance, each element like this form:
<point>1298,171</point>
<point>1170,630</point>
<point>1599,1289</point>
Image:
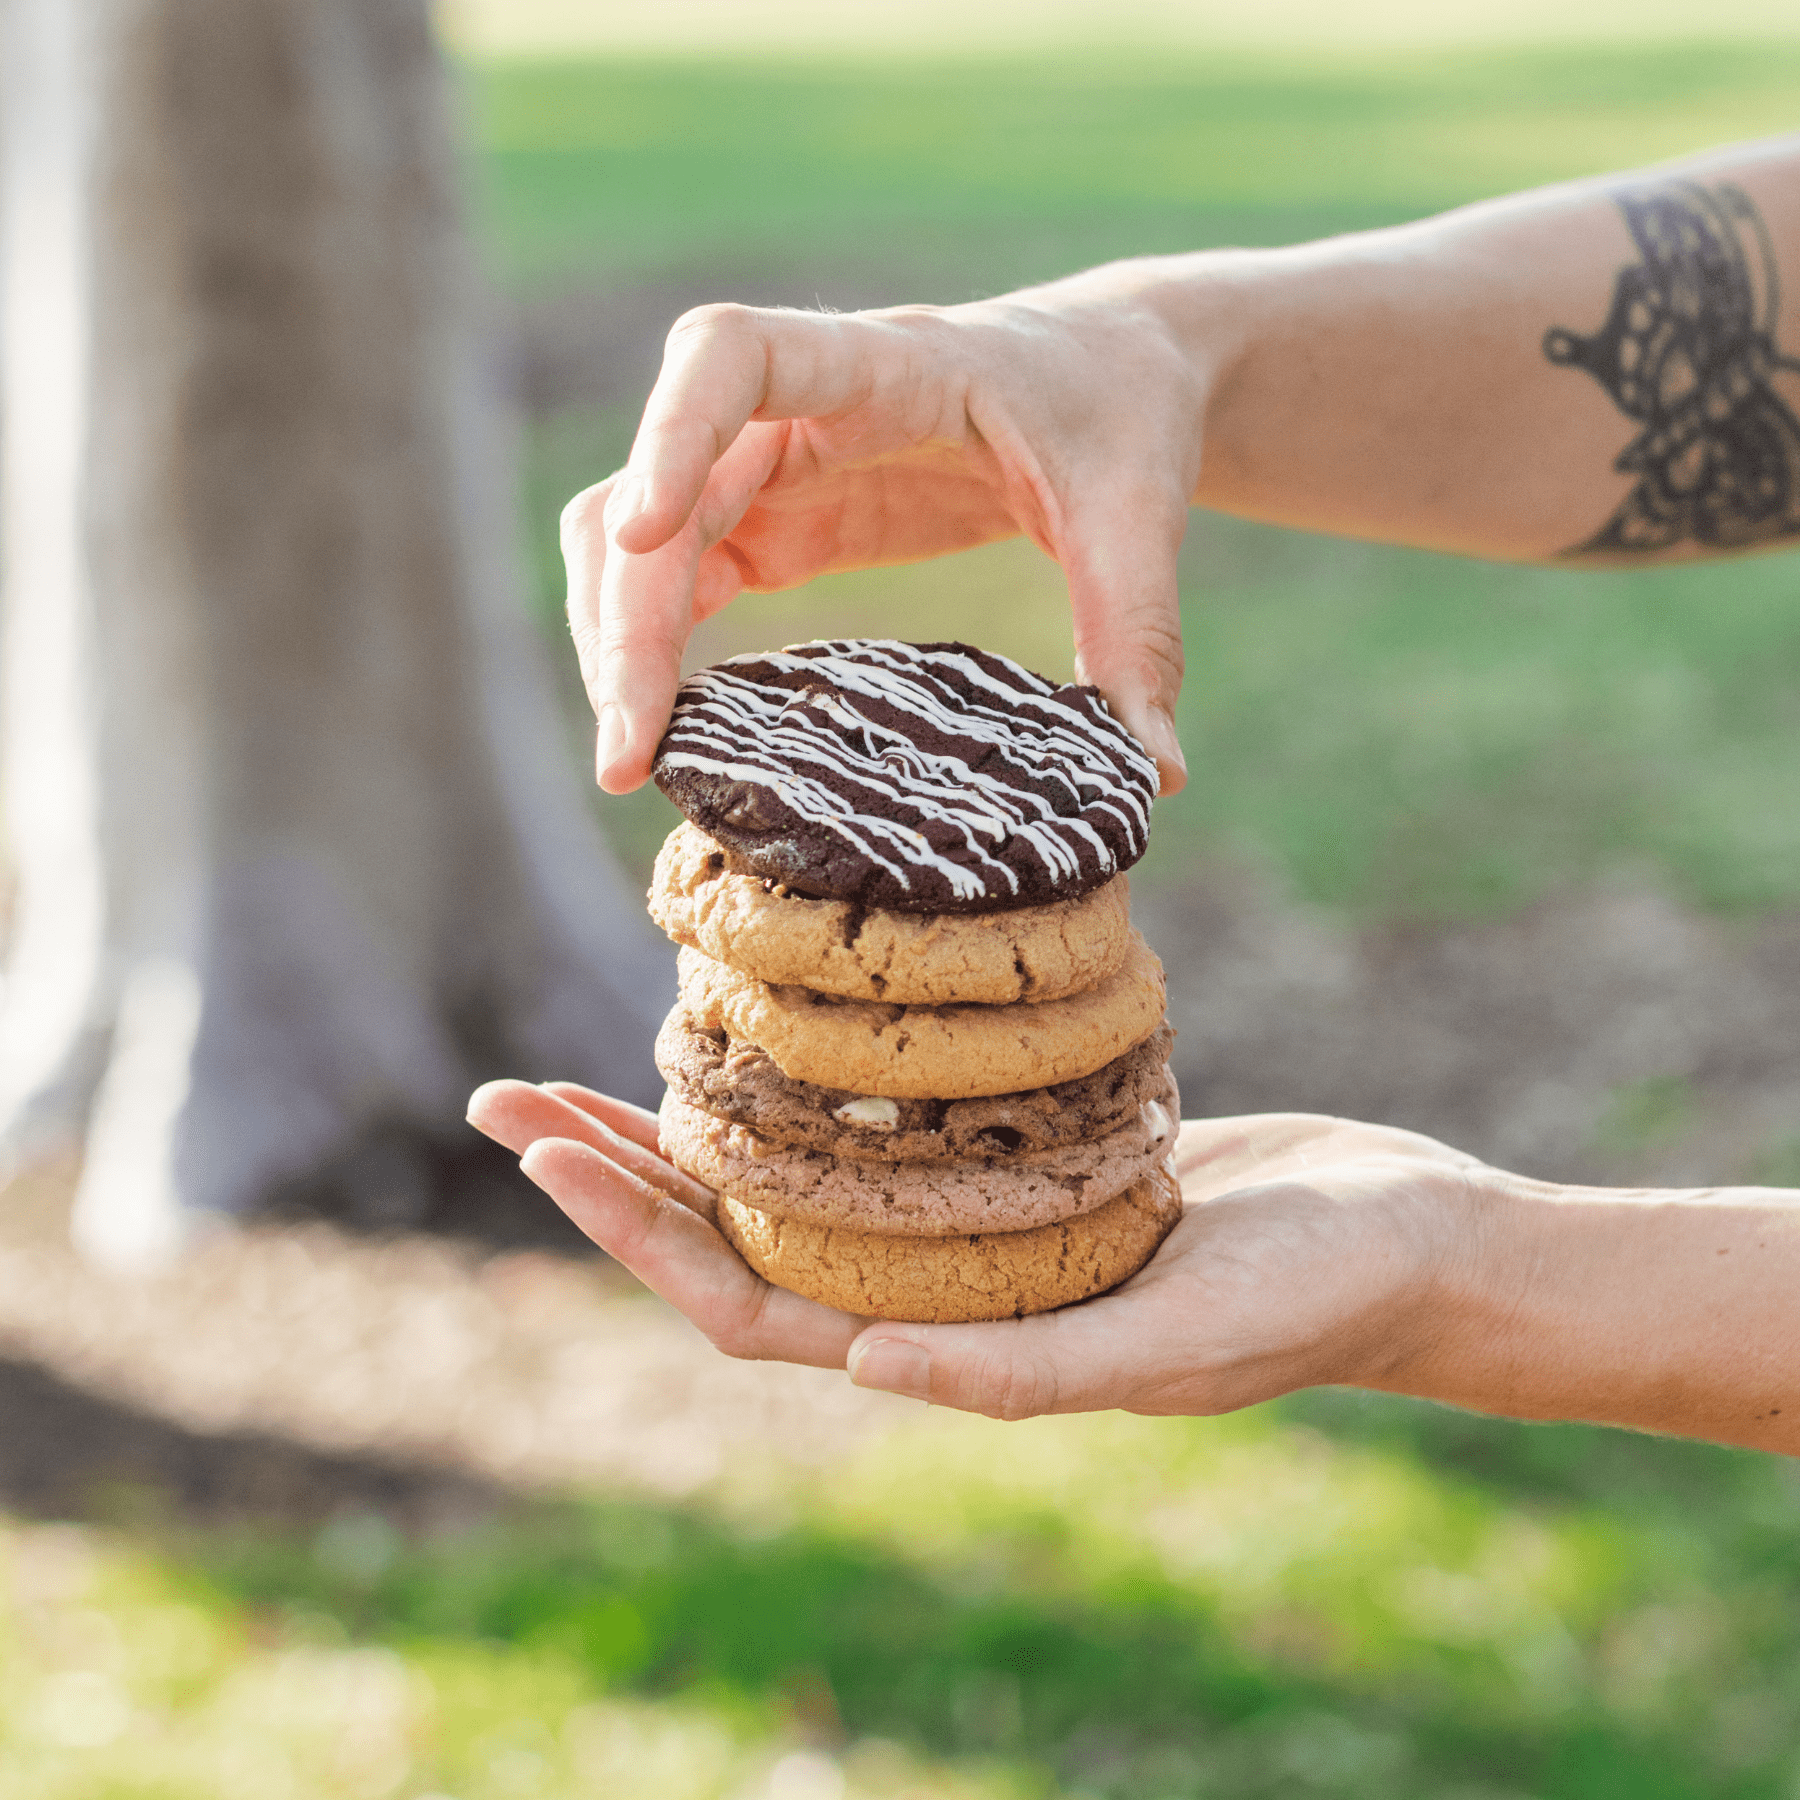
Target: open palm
<point>1302,1240</point>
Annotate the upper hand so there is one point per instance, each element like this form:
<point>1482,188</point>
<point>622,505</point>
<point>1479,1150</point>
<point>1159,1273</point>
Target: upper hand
<point>778,445</point>
<point>1307,1254</point>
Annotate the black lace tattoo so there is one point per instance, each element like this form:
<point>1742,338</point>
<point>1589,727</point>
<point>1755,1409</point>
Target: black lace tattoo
<point>1688,351</point>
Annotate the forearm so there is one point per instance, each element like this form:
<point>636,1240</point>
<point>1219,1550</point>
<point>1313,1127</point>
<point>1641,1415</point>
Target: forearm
<point>1673,1312</point>
<point>1450,383</point>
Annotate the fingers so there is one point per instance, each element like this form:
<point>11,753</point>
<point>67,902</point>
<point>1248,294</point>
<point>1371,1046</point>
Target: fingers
<point>683,1259</point>
<point>1106,1353</point>
<point>518,1115</point>
<point>634,1122</point>
<point>596,1159</point>
<point>636,545</point>
<point>722,367</point>
<point>582,534</point>
<point>648,604</point>
<point>715,376</point>
<point>1120,560</point>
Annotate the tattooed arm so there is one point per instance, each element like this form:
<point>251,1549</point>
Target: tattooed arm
<point>1604,369</point>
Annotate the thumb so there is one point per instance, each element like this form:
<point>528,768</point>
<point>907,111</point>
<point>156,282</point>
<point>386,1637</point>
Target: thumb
<point>1081,1359</point>
<point>1120,563</point>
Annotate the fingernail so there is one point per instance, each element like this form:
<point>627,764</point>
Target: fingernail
<point>614,735</point>
<point>1162,743</point>
<point>893,1366</point>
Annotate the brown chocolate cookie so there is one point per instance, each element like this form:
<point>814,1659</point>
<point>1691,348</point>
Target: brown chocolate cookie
<point>741,1083</point>
<point>917,777</point>
<point>951,1280</point>
<point>926,1199</point>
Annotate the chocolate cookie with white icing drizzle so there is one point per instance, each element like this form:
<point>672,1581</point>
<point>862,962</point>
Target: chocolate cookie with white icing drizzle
<point>915,777</point>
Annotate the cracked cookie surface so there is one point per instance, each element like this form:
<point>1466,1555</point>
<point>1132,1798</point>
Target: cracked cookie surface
<point>1030,953</point>
<point>930,1052</point>
<point>740,1082</point>
<point>953,1280</point>
<point>929,1199</point>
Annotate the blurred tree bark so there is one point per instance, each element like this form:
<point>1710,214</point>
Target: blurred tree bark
<point>300,855</point>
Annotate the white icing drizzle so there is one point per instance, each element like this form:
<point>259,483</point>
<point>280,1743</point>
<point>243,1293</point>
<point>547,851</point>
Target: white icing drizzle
<point>777,738</point>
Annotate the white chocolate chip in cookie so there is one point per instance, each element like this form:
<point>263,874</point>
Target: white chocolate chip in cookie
<point>870,1109</point>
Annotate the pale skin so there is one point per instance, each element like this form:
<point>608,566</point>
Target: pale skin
<point>1393,385</point>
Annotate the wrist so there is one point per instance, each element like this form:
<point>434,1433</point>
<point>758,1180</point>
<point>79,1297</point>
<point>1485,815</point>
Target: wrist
<point>1204,304</point>
<point>1387,1286</point>
<point>1666,1311</point>
<point>1429,1283</point>
<point>1199,306</point>
<point>1462,1315</point>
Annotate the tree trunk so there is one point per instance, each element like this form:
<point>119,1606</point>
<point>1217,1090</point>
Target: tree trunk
<point>300,851</point>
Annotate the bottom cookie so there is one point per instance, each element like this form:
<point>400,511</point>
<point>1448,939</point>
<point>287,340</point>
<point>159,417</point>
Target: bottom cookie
<point>952,1280</point>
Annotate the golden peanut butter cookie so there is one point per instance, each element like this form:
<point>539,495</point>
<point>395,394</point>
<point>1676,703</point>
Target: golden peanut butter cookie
<point>929,1199</point>
<point>930,1052</point>
<point>952,1280</point>
<point>865,953</point>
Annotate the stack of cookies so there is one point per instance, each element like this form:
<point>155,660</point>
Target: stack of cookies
<point>919,1051</point>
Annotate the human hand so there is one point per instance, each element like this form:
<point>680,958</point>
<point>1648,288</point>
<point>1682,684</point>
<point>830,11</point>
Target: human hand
<point>779,445</point>
<point>1308,1254</point>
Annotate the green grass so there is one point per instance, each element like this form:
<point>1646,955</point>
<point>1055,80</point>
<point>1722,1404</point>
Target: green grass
<point>1412,736</point>
<point>967,176</point>
<point>1339,1596</point>
<point>953,29</point>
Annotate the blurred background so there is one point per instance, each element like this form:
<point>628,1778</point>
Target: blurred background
<point>392,1490</point>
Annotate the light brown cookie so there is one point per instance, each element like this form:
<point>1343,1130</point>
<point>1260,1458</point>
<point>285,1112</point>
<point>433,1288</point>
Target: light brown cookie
<point>926,1199</point>
<point>740,1083</point>
<point>865,953</point>
<point>950,1280</point>
<point>930,1052</point>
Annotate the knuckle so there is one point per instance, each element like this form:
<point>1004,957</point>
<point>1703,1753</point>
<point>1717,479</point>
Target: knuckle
<point>1162,645</point>
<point>584,516</point>
<point>1148,646</point>
<point>726,320</point>
<point>1011,1387</point>
<point>638,632</point>
<point>1153,629</point>
<point>740,1335</point>
<point>586,638</point>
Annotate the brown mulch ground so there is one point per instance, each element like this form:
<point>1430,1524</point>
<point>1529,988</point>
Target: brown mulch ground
<point>290,1369</point>
<point>1608,1037</point>
<point>408,1373</point>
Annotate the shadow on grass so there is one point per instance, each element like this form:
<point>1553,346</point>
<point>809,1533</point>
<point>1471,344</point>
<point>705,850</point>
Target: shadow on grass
<point>1132,1689</point>
<point>68,1454</point>
<point>1743,1492</point>
<point>1123,1687</point>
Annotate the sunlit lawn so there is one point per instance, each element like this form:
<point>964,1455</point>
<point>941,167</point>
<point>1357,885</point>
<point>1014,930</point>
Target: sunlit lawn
<point>963,177</point>
<point>1102,1607</point>
<point>1335,1597</point>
